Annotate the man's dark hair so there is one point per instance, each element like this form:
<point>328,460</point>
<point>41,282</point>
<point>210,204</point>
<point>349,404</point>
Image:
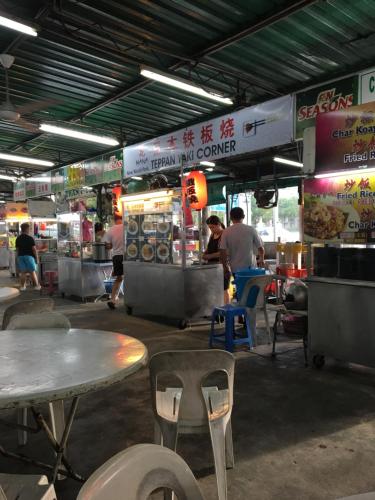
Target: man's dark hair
<point>237,213</point>
<point>25,226</point>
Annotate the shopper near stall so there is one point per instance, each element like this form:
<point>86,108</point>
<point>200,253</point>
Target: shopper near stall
<point>240,244</point>
<point>27,257</point>
<point>99,231</point>
<point>212,253</point>
<point>114,240</point>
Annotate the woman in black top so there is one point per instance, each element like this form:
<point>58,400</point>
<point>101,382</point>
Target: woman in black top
<point>212,253</point>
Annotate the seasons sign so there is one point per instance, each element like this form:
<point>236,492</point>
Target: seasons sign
<point>265,125</point>
<point>335,96</point>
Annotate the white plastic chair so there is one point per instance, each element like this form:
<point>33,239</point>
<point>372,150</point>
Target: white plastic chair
<point>25,487</point>
<point>26,307</point>
<point>39,321</point>
<point>56,408</point>
<point>262,282</point>
<point>138,471</point>
<point>193,408</point>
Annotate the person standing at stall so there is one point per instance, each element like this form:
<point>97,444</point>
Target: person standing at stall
<point>27,257</point>
<point>114,240</point>
<point>212,253</point>
<point>240,244</point>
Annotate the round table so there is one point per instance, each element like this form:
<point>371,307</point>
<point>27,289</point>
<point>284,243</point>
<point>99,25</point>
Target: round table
<point>44,366</point>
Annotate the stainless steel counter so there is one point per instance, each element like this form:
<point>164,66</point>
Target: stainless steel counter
<point>173,292</point>
<point>340,320</point>
<point>82,278</point>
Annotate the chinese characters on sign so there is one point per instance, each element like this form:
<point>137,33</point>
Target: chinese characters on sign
<point>196,190</point>
<point>346,139</point>
<point>340,209</point>
<point>250,129</point>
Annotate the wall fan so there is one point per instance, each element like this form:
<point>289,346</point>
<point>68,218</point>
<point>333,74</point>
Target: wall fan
<point>266,198</point>
<point>12,114</point>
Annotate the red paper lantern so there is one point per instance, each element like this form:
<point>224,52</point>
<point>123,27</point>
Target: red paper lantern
<point>196,190</point>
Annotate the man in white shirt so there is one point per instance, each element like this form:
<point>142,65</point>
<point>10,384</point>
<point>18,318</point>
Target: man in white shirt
<point>240,244</point>
<point>114,240</point>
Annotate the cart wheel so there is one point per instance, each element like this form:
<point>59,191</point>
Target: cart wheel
<point>129,310</point>
<point>318,361</point>
<point>182,324</point>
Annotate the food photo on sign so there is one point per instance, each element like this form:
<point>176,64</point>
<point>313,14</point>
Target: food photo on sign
<point>340,208</point>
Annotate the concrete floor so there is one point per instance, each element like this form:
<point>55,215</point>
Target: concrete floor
<point>299,433</point>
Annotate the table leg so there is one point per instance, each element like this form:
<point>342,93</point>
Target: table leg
<point>57,421</point>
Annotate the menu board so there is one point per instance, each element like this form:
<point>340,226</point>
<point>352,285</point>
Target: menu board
<point>149,237</point>
<point>340,209</point>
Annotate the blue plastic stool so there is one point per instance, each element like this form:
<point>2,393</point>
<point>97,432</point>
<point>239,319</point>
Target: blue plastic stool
<point>230,336</point>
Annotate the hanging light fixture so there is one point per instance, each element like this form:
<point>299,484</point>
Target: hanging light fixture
<point>76,134</point>
<point>180,83</point>
<point>196,190</point>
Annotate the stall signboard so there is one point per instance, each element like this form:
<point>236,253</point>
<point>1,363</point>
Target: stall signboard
<point>112,166</point>
<point>93,171</point>
<point>346,139</point>
<point>57,180</point>
<point>38,186</point>
<point>340,209</point>
<point>257,127</point>
<point>16,210</point>
<point>19,191</point>
<point>74,176</point>
<point>43,184</point>
<point>334,96</point>
<point>30,189</point>
<point>367,86</point>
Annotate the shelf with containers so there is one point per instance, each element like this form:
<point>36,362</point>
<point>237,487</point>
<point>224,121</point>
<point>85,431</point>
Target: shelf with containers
<point>78,274</point>
<point>162,259</point>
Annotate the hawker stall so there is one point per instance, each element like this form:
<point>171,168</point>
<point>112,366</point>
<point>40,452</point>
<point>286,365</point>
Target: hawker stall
<point>339,225</point>
<point>16,214</point>
<point>162,266</point>
<point>78,273</point>
<point>44,230</point>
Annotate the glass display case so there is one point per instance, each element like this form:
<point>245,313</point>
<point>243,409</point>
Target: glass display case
<point>78,274</point>
<point>155,230</point>
<point>162,259</point>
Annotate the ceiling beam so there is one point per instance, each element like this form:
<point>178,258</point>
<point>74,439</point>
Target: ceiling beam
<point>263,23</point>
<point>207,51</point>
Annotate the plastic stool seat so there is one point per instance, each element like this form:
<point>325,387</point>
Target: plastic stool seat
<point>230,336</point>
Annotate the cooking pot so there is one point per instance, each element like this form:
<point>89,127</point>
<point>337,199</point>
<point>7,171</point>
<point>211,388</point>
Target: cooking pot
<point>99,252</point>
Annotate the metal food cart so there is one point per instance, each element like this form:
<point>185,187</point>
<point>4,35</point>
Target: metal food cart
<point>78,274</point>
<point>164,275</point>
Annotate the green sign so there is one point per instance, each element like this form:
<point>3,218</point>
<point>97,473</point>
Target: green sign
<point>57,180</point>
<point>30,189</point>
<point>334,96</point>
<point>216,193</point>
<point>112,166</point>
<point>94,171</point>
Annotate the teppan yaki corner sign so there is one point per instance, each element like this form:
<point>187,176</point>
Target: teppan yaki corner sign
<point>250,129</point>
<point>346,139</point>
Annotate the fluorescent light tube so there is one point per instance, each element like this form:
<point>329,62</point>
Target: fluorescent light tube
<point>25,159</point>
<point>8,178</point>
<point>209,169</point>
<point>357,171</point>
<point>75,134</point>
<point>136,178</point>
<point>14,25</point>
<point>146,196</point>
<point>288,162</point>
<point>208,163</point>
<point>182,84</point>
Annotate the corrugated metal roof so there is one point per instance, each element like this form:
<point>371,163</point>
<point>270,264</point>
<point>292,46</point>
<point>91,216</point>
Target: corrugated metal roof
<point>88,53</point>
